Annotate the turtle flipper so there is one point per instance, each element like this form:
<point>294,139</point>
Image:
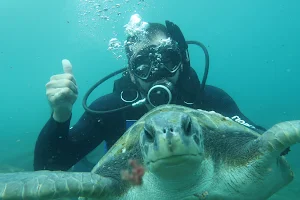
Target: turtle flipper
<point>281,136</point>
<point>51,185</point>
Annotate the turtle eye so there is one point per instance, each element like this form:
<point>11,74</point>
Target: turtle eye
<point>149,136</point>
<point>188,127</point>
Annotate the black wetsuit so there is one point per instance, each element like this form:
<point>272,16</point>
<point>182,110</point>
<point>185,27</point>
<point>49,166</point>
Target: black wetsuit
<point>59,147</point>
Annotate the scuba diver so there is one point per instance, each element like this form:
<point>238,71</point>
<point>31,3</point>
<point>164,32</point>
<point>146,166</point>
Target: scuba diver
<point>158,72</point>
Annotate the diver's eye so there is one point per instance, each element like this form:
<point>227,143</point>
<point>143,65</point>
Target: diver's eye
<point>149,136</point>
<point>171,59</point>
<point>141,60</point>
<point>188,127</point>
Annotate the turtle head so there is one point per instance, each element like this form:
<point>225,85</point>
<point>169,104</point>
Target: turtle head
<point>171,142</point>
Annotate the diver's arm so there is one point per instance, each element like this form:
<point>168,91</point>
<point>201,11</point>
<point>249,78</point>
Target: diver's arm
<point>231,108</point>
<point>228,107</point>
<point>56,148</point>
<point>232,111</point>
<point>59,147</point>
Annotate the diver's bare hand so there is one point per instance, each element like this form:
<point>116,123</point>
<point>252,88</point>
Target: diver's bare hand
<point>62,93</point>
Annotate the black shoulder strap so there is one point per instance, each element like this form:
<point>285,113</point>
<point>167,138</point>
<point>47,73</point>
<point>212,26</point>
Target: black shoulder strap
<point>123,83</point>
<point>189,86</point>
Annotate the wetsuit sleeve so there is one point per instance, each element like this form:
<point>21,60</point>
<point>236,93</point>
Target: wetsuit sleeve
<point>59,147</point>
<point>225,105</point>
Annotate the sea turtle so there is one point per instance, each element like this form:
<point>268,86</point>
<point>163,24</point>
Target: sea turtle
<point>186,153</point>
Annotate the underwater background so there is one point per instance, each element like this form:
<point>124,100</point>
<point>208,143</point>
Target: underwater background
<point>253,48</point>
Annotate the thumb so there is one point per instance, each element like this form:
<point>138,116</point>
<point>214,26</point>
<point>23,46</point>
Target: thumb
<point>67,66</point>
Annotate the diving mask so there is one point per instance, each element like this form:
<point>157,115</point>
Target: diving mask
<point>155,62</point>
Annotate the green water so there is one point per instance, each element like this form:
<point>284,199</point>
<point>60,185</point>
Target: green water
<point>253,47</point>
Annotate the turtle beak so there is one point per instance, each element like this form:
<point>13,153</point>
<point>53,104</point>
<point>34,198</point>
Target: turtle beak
<point>171,139</point>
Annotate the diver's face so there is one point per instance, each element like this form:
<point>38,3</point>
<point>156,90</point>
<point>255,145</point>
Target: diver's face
<point>155,60</point>
<point>145,86</point>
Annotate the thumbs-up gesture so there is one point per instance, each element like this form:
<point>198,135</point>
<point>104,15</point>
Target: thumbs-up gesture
<point>62,93</point>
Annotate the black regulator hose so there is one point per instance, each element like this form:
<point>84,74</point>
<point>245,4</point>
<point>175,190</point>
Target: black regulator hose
<point>140,102</point>
<point>87,94</point>
<point>206,61</point>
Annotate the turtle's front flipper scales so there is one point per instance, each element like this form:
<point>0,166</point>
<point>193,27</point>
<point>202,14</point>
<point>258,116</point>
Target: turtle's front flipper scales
<point>280,136</point>
<point>51,185</point>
